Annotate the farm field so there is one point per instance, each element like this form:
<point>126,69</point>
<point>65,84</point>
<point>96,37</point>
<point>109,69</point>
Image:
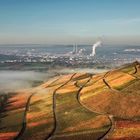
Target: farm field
<point>78,106</point>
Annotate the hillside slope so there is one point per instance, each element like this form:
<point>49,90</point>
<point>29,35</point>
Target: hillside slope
<point>77,106</point>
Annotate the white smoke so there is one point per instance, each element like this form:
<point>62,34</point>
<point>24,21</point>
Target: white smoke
<point>94,48</point>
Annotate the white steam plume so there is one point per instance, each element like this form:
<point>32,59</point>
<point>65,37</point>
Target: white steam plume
<point>94,48</point>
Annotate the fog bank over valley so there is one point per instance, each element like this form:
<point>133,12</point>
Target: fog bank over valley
<point>15,80</point>
<point>11,81</point>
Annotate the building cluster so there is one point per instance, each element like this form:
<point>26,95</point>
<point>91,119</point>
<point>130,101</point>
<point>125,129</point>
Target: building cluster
<point>77,56</point>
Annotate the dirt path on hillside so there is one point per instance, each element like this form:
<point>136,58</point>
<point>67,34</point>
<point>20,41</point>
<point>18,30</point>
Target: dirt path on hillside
<point>24,123</point>
<point>27,107</point>
<point>54,107</point>
<point>110,117</point>
<point>82,112</point>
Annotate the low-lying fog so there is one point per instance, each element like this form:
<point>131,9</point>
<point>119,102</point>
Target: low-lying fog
<point>11,81</point>
<point>14,80</point>
<point>83,70</point>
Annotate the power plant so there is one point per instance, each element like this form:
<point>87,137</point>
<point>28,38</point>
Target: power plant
<point>73,55</point>
<point>80,52</point>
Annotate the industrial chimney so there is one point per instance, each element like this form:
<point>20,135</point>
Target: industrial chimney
<point>75,49</point>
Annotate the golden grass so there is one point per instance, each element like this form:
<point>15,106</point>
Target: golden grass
<point>126,129</point>
<point>126,132</point>
<point>69,88</point>
<point>127,124</point>
<point>8,135</point>
<point>14,114</point>
<point>72,117</point>
<point>116,79</point>
<point>132,89</point>
<point>62,79</point>
<point>130,69</point>
<point>94,87</point>
<point>35,124</point>
<point>80,76</point>
<point>94,79</point>
<point>82,82</point>
<point>97,122</point>
<point>18,101</point>
<point>68,111</point>
<point>119,105</point>
<point>40,115</point>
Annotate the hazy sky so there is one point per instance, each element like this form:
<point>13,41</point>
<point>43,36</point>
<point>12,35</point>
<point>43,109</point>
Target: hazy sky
<point>69,21</point>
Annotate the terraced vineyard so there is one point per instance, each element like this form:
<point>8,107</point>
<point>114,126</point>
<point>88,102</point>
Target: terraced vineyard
<point>76,107</point>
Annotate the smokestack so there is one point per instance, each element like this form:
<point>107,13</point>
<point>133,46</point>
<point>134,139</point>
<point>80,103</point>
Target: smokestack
<point>75,50</point>
<point>94,48</point>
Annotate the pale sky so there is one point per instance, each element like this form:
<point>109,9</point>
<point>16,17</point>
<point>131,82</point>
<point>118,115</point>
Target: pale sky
<point>69,21</point>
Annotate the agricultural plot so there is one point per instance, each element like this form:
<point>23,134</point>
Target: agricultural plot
<point>111,102</point>
<point>119,80</point>
<point>90,90</point>
<point>12,116</point>
<point>133,69</point>
<point>121,101</point>
<point>75,106</point>
<point>69,111</point>
<point>125,130</point>
<point>39,117</point>
<point>130,69</point>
